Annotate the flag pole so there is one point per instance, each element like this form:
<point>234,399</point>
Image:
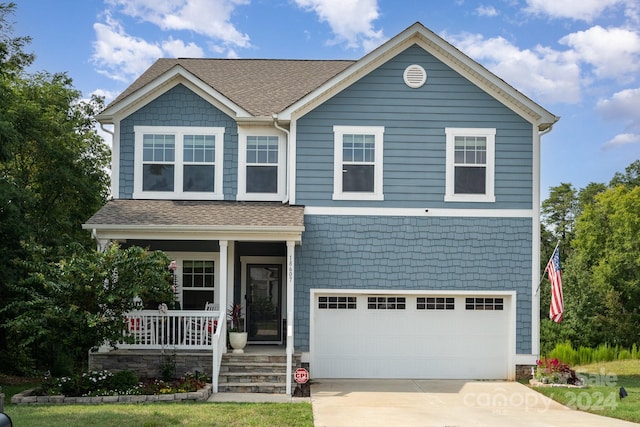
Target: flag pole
<point>546,267</point>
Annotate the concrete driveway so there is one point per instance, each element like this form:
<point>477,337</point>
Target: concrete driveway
<point>439,403</point>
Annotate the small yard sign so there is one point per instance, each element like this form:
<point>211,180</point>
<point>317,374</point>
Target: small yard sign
<point>301,376</point>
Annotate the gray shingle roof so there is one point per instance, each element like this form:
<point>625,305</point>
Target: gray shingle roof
<point>260,86</point>
<point>197,213</point>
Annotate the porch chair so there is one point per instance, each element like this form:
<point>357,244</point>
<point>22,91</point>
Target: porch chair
<point>199,331</point>
<point>210,306</point>
<point>142,329</point>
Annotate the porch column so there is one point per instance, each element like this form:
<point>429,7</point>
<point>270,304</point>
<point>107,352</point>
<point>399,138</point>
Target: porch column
<point>291,245</point>
<point>224,246</point>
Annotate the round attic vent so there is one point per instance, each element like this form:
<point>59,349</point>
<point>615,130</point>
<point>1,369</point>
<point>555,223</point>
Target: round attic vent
<point>414,76</point>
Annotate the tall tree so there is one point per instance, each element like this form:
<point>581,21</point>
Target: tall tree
<point>53,165</point>
<point>630,178</point>
<point>608,246</point>
<point>559,211</point>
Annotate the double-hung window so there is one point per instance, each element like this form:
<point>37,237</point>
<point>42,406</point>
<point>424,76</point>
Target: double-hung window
<point>470,164</point>
<point>358,154</point>
<point>158,162</point>
<point>178,162</point>
<point>196,278</point>
<point>262,165</point>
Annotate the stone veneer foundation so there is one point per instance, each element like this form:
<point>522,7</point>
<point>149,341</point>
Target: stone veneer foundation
<point>148,363</point>
<point>26,398</point>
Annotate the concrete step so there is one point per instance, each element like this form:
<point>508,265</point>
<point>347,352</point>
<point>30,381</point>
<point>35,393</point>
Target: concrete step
<point>251,377</point>
<point>254,373</point>
<point>253,367</point>
<point>274,388</point>
<point>256,358</point>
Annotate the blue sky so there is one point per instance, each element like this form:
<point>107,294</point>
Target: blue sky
<point>580,59</point>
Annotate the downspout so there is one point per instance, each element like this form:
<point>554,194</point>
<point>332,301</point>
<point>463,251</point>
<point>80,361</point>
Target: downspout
<point>535,261</point>
<point>94,234</point>
<point>289,167</point>
<point>107,131</point>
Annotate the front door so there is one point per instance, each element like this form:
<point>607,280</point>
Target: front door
<point>264,294</point>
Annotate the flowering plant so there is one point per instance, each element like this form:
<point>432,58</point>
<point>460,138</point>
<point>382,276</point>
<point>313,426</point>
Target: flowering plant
<point>105,383</point>
<point>553,371</point>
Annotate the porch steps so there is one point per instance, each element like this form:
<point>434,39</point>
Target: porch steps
<point>254,373</point>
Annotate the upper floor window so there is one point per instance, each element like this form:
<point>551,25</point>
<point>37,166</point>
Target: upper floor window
<point>358,154</point>
<point>470,165</point>
<point>262,166</point>
<point>178,162</point>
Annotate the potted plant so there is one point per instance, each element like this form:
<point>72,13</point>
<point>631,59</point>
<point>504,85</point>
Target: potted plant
<point>237,336</point>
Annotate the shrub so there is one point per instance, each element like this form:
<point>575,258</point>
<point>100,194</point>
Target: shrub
<point>124,381</point>
<point>604,353</point>
<point>564,351</point>
<point>586,355</point>
<point>553,371</point>
<point>105,383</point>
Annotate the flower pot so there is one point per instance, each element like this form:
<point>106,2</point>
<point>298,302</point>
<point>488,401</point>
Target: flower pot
<point>238,341</point>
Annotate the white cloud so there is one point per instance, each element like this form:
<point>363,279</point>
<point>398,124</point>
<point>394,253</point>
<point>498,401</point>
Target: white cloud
<point>624,106</point>
<point>123,57</point>
<point>613,52</point>
<point>583,10</point>
<point>350,20</point>
<point>108,95</point>
<point>623,139</point>
<point>119,55</point>
<point>542,73</point>
<point>210,18</point>
<point>177,49</point>
<point>486,11</point>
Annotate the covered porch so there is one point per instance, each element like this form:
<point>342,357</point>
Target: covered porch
<point>225,253</point>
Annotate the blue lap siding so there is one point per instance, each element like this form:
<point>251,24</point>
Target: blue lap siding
<point>414,138</point>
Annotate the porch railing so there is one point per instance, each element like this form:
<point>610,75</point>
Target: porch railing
<point>219,347</point>
<point>174,329</point>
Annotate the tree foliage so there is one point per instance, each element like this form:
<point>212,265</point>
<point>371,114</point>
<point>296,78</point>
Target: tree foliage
<point>79,303</point>
<point>53,166</point>
<point>601,268</point>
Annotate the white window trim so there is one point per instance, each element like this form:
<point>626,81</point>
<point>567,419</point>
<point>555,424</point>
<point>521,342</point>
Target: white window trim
<point>378,133</point>
<point>180,257</point>
<point>242,194</point>
<point>489,196</point>
<point>178,193</point>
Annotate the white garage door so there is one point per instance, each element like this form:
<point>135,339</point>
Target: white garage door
<point>410,336</point>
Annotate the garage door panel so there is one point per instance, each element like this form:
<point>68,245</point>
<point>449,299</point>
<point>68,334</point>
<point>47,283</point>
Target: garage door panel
<point>411,343</point>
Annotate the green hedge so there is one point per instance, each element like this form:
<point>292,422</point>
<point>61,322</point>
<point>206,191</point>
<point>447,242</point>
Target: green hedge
<point>585,355</point>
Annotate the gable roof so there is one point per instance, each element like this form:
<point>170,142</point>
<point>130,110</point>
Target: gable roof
<point>418,34</point>
<point>259,86</point>
<point>263,87</point>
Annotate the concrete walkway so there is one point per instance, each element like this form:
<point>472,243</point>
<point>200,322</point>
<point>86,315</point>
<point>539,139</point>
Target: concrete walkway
<point>431,403</point>
<point>256,398</point>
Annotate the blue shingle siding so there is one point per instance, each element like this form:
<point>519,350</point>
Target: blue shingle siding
<point>414,139</point>
<point>415,253</point>
<point>179,106</point>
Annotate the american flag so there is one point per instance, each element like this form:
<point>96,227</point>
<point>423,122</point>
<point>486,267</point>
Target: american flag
<point>554,270</point>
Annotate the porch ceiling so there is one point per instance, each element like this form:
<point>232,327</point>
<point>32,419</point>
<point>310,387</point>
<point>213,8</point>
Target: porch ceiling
<point>197,220</point>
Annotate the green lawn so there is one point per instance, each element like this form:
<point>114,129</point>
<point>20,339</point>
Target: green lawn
<point>163,414</point>
<point>601,396</point>
<point>156,414</point>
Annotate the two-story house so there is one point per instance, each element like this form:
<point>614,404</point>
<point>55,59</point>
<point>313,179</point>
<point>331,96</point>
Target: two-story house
<point>380,216</point>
